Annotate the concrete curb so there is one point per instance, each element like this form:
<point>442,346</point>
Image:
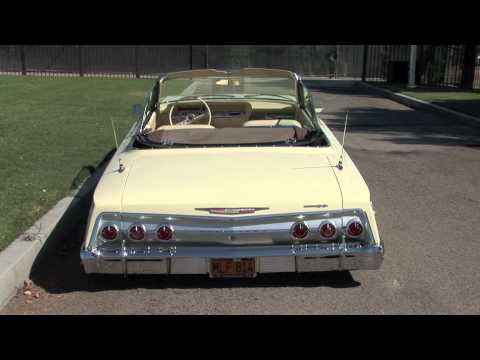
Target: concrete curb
<point>418,104</point>
<point>18,259</point>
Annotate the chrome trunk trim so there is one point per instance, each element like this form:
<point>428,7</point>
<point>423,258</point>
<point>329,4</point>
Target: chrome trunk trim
<point>227,229</point>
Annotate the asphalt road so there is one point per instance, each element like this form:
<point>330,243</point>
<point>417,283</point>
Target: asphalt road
<point>423,171</point>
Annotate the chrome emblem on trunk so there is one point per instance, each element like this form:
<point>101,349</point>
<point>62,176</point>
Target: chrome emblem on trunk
<point>232,211</point>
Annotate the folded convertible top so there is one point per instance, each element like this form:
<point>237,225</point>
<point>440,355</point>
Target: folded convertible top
<point>228,136</point>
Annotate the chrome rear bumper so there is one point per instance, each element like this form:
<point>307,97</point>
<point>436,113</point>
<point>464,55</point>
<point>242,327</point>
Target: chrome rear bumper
<point>195,259</point>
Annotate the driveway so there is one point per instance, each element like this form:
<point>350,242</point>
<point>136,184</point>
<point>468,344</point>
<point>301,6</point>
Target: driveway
<point>424,175</point>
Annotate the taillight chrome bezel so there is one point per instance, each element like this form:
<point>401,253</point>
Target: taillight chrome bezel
<point>292,230</point>
<point>140,226</point>
<point>157,237</point>
<point>117,230</point>
<point>347,233</point>
<point>327,222</point>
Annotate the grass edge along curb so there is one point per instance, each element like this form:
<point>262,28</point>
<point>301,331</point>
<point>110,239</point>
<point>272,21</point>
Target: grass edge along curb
<point>19,258</point>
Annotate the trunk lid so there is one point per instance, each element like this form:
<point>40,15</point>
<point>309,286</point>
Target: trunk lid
<point>179,181</point>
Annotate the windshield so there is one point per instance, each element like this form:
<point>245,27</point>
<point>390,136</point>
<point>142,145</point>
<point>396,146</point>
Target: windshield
<point>250,107</point>
<point>229,86</point>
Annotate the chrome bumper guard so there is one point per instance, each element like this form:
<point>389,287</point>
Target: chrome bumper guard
<point>195,259</point>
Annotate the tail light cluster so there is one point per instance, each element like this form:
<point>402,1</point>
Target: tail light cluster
<point>354,228</point>
<point>110,232</point>
<point>327,230</point>
<point>164,232</point>
<point>136,232</point>
<point>299,231</point>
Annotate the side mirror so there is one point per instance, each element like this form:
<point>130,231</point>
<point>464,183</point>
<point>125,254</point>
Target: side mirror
<point>137,110</point>
<point>318,110</point>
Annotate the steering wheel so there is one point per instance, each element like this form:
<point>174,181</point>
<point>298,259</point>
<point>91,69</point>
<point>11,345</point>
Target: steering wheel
<point>190,118</point>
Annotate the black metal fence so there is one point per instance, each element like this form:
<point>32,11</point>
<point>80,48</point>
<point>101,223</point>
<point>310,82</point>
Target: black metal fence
<point>436,65</point>
<point>387,63</point>
<point>146,61</point>
<point>476,81</point>
<point>123,61</point>
<point>440,65</point>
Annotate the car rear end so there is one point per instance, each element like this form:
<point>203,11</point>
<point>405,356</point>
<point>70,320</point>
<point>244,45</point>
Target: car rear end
<point>240,245</point>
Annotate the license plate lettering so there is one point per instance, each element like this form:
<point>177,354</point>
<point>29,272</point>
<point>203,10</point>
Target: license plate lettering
<point>244,267</point>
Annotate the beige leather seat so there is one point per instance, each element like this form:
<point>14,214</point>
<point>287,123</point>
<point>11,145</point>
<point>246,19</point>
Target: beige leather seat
<point>191,126</point>
<point>272,123</point>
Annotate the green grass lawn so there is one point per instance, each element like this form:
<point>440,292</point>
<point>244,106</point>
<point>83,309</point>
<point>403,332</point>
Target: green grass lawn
<point>50,129</point>
<point>467,102</point>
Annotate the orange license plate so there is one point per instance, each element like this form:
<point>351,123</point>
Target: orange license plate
<point>244,267</point>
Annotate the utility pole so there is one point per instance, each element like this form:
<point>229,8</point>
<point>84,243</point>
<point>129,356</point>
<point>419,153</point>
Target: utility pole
<point>412,66</point>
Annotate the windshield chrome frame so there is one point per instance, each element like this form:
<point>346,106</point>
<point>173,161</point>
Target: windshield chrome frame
<point>294,76</point>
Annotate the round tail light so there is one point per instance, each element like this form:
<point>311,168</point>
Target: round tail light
<point>136,232</point>
<point>299,230</point>
<point>355,228</point>
<point>110,232</point>
<point>164,232</point>
<point>327,230</point>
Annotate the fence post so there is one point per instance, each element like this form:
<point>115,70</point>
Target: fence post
<point>206,56</point>
<point>412,66</point>
<point>137,71</point>
<point>468,73</point>
<point>80,60</point>
<point>22,59</point>
<point>419,67</point>
<point>365,60</point>
<point>191,57</point>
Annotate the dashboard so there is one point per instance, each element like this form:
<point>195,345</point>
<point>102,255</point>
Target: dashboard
<point>227,114</point>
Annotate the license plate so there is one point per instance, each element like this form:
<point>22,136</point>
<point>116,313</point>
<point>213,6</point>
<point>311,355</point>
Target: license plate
<point>222,268</point>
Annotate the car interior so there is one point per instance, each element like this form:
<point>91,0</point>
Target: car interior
<point>209,122</point>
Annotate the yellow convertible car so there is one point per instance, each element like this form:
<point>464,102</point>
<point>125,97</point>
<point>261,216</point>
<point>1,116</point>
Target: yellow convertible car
<point>230,174</point>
